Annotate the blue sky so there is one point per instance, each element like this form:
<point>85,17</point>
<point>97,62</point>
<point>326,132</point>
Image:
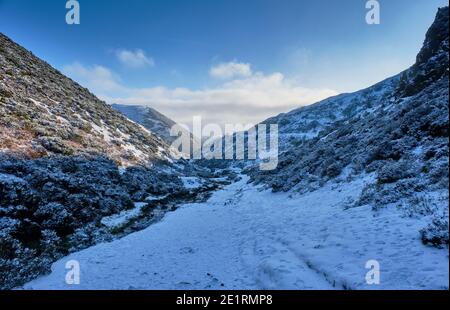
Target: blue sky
<point>187,57</point>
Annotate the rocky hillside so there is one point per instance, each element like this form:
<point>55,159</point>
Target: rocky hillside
<point>400,136</point>
<point>42,112</point>
<point>432,60</point>
<point>308,122</point>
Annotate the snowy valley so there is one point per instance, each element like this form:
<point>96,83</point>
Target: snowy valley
<point>361,178</point>
<point>247,238</point>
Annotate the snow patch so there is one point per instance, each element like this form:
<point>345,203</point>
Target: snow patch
<point>118,220</point>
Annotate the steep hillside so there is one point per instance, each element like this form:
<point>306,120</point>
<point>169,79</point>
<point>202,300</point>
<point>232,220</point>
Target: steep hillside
<point>431,65</point>
<point>42,112</point>
<point>432,60</point>
<point>402,139</point>
<point>308,122</point>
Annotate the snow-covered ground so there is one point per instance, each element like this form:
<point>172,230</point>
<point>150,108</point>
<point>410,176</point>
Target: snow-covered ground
<point>246,238</point>
<point>122,218</point>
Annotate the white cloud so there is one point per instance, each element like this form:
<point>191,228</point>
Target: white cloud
<point>249,100</point>
<point>246,100</point>
<point>134,59</point>
<point>231,70</point>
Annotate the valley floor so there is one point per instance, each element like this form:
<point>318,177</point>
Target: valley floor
<point>246,238</point>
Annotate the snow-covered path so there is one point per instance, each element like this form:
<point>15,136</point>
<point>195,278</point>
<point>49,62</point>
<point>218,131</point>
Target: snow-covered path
<point>243,238</point>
